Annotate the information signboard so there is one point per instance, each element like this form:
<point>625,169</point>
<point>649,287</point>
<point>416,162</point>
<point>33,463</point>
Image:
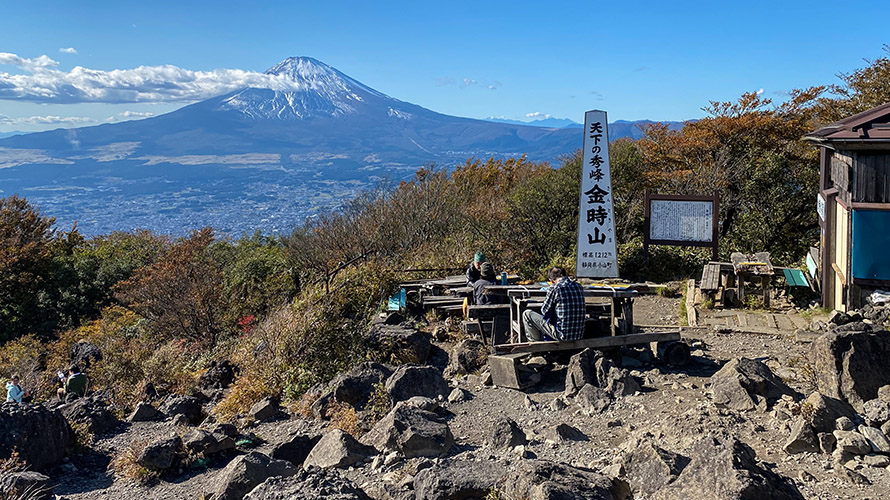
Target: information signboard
<point>597,256</point>
<point>681,221</point>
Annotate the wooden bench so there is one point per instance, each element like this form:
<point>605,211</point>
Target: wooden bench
<point>498,315</point>
<point>710,277</point>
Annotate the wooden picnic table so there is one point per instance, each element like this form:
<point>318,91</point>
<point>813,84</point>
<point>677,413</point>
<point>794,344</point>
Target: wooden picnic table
<point>754,267</point>
<point>616,302</point>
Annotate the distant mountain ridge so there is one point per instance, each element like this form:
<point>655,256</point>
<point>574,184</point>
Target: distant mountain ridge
<point>254,158</point>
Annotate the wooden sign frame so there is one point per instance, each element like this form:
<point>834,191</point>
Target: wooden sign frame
<point>715,217</point>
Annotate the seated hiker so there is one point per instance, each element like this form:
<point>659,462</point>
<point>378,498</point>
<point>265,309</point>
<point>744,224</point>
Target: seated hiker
<point>75,384</point>
<point>481,295</point>
<point>563,313</point>
<point>14,391</point>
<point>473,271</point>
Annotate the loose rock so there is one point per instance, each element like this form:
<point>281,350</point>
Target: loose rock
<point>308,484</point>
<point>337,449</point>
<point>740,380</point>
<point>246,472</point>
<point>506,434</point>
<point>187,406</point>
<point>412,380</point>
<point>412,432</point>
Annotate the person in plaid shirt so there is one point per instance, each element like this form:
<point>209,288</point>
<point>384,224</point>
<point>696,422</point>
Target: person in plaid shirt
<point>563,313</point>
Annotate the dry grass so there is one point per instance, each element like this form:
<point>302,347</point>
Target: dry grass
<point>344,417</point>
<point>303,405</point>
<point>126,464</point>
<point>13,464</point>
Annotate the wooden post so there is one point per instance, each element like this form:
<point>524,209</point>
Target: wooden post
<point>691,315</point>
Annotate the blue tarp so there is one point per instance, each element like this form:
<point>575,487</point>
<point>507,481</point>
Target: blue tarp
<point>871,244</point>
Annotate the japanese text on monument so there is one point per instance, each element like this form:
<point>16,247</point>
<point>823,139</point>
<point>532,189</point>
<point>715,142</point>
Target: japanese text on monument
<point>597,256</point>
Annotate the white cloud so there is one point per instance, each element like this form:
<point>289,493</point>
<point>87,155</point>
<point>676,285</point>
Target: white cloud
<point>31,65</point>
<point>43,120</point>
<point>537,115</point>
<point>470,81</point>
<point>166,83</point>
<point>129,115</point>
<point>495,85</point>
<point>68,50</point>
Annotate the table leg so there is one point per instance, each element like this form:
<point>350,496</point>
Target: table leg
<point>627,312</point>
<point>765,286</point>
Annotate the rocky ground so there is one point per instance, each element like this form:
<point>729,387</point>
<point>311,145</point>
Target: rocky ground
<point>740,421</point>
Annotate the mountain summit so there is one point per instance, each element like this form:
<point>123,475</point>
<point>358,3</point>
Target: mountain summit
<point>256,158</point>
<point>310,88</point>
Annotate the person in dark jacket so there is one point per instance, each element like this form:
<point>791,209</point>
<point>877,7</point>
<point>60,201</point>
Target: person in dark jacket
<point>473,271</point>
<point>487,277</point>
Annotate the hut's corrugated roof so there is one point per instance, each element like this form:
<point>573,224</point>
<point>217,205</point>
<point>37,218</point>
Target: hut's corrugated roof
<point>868,126</point>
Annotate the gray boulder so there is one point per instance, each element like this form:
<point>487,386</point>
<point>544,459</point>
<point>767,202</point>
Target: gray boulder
<point>353,387</point>
<point>202,442</point>
<point>404,345</point>
<point>876,412</point>
<point>265,409</point>
<point>876,439</point>
<point>25,485</point>
<point>851,365</point>
<point>311,483</point>
<point>822,412</point>
<point>562,433</point>
<point>161,454</point>
<point>741,380</point>
<point>542,480</point>
<point>92,413</point>
<point>296,448</point>
<point>723,469</point>
<point>412,432</point>
<point>593,399</point>
<point>648,467</point>
<point>619,382</point>
<point>505,434</point>
<point>144,412</point>
<point>851,442</point>
<point>467,356</point>
<point>581,372</point>
<point>802,439</point>
<point>337,449</point>
<point>411,380</point>
<point>220,375</point>
<point>246,472</point>
<point>187,406</point>
<point>40,436</point>
<point>458,480</point>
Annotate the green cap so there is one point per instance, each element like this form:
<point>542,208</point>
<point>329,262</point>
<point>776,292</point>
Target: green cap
<point>479,257</point>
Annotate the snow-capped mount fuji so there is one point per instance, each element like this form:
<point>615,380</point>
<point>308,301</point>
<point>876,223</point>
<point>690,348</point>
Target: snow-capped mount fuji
<point>256,158</point>
<point>310,88</point>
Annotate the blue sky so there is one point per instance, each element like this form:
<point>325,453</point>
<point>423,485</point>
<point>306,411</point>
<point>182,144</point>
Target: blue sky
<point>655,60</point>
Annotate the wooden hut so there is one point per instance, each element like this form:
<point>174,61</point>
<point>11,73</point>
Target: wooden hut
<point>854,207</point>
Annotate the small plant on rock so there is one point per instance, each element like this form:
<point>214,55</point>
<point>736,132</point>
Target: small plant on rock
<point>380,402</point>
<point>13,464</point>
<point>344,417</point>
